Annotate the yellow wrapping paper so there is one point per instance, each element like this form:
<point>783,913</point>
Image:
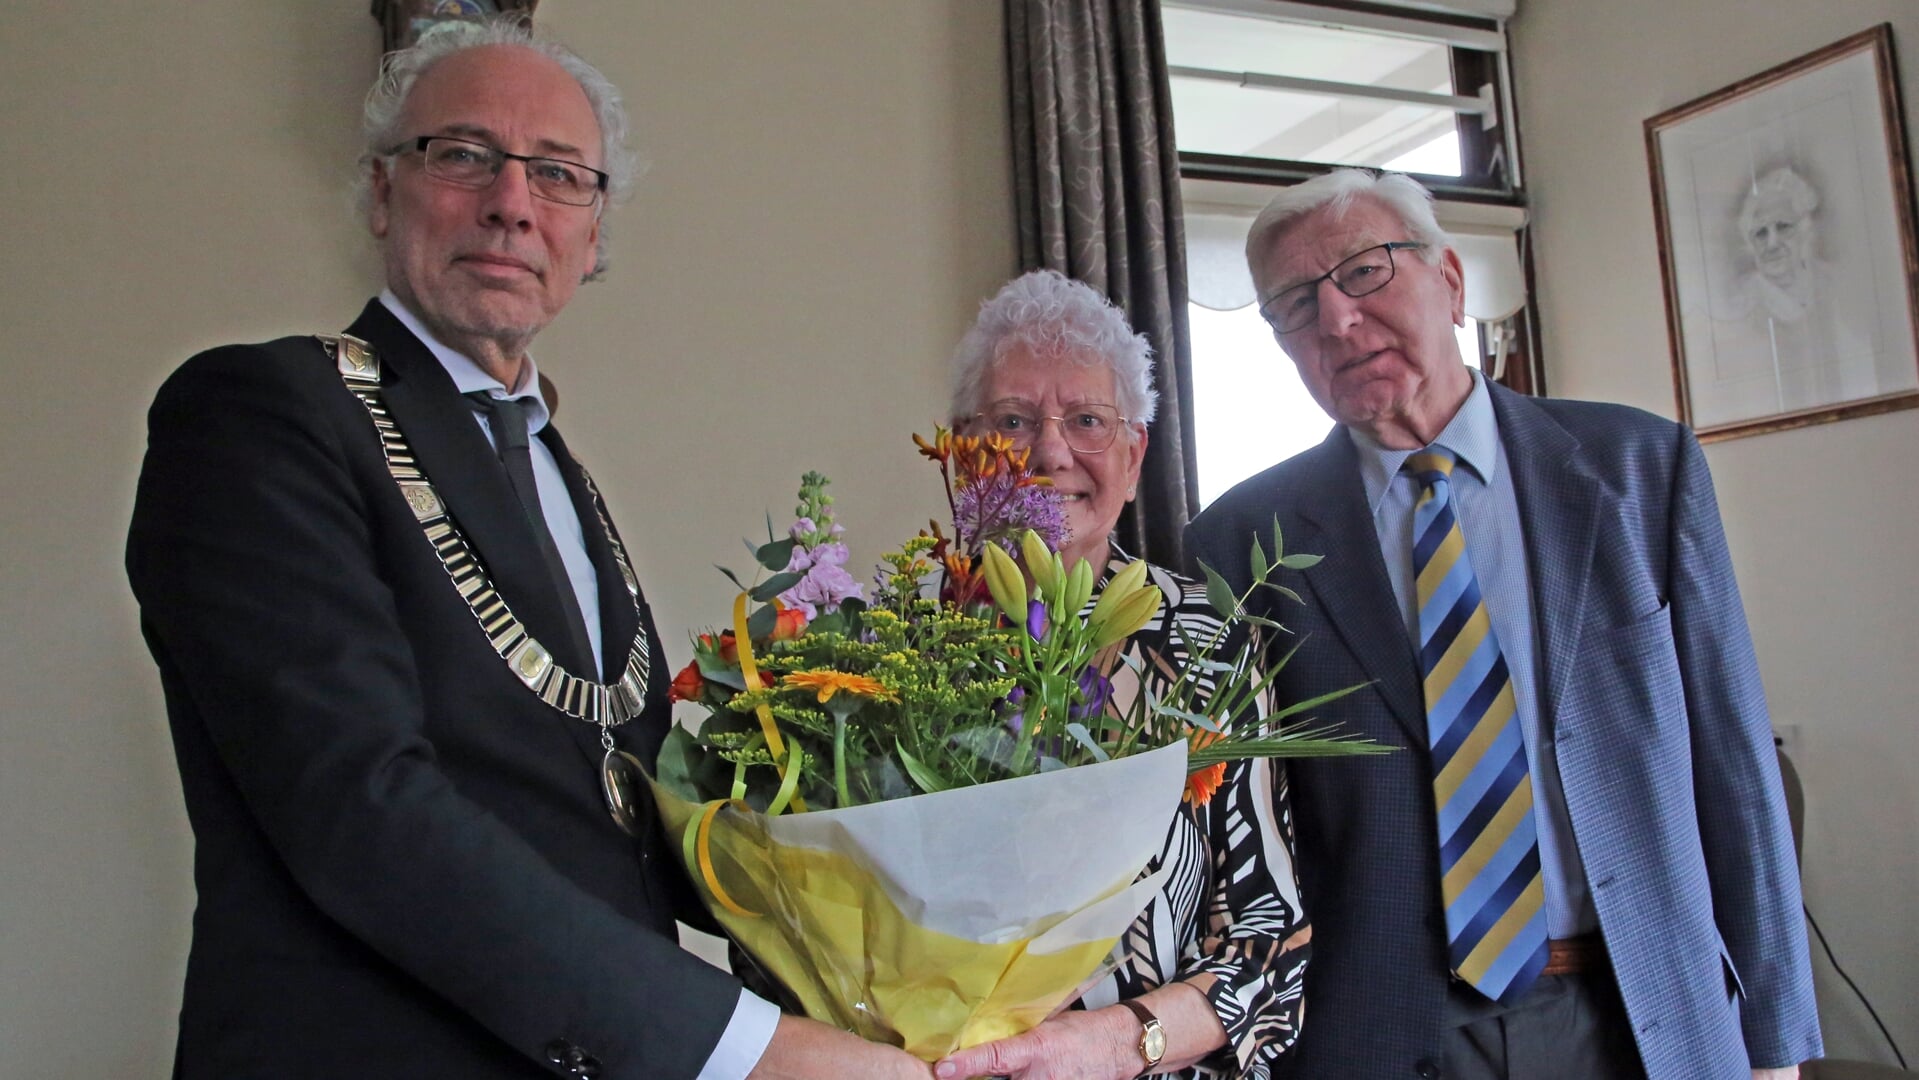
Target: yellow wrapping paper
<point>939,921</point>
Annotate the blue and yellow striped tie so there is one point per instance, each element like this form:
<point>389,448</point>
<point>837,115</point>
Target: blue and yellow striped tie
<point>1488,845</point>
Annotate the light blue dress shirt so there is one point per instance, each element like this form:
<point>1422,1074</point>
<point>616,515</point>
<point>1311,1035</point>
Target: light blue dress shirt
<point>751,1028</point>
<point>1488,513</point>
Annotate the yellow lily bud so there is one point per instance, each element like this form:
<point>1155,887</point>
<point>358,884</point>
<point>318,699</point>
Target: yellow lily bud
<point>1079,585</point>
<point>1041,563</point>
<point>1123,585</point>
<point>1129,615</point>
<point>1005,582</point>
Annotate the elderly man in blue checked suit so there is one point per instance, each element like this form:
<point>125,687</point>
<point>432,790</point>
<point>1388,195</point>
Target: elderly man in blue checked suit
<point>1578,864</point>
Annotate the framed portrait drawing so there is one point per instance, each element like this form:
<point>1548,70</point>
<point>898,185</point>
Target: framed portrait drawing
<point>401,21</point>
<point>1785,217</point>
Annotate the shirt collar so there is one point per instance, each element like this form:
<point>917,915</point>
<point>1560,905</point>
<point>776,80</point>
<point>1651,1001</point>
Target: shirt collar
<point>469,376</point>
<point>1472,435</point>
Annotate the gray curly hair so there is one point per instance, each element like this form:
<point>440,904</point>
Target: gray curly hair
<point>386,102</point>
<point>1060,320</point>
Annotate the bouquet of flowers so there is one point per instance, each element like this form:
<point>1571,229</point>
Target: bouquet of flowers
<point>892,802</point>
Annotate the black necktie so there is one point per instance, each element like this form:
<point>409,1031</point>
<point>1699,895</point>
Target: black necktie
<point>507,418</point>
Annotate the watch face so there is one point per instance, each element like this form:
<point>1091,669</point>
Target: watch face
<point>1153,1043</point>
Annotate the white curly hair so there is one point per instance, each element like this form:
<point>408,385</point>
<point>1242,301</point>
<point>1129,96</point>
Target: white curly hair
<point>1059,320</point>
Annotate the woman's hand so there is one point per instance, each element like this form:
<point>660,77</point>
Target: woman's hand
<point>1097,1044</point>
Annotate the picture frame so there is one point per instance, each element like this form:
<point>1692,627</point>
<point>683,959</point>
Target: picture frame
<point>401,21</point>
<point>1784,211</point>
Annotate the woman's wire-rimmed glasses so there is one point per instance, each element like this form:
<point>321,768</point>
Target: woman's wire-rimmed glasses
<point>1359,274</point>
<point>1088,429</point>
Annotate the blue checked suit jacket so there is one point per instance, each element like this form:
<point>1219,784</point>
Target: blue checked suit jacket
<point>1651,690</point>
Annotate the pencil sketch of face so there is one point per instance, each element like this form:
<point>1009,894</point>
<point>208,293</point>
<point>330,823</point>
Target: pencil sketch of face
<point>1776,228</point>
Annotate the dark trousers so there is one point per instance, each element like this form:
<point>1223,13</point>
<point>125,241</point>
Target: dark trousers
<point>1567,1027</point>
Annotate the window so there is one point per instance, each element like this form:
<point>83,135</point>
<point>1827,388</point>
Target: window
<point>1275,87</point>
<point>1270,92</point>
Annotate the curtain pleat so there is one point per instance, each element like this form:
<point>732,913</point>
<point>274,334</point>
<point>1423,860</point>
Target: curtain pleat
<point>1096,179</point>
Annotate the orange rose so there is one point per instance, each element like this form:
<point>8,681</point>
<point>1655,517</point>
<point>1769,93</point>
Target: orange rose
<point>687,685</point>
<point>790,624</point>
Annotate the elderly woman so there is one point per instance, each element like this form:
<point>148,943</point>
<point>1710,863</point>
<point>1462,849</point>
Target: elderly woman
<point>1214,963</point>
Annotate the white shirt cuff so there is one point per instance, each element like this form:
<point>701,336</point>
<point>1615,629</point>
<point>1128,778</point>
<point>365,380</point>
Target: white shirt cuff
<point>746,1037</point>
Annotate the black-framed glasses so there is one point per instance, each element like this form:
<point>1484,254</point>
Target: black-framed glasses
<point>477,165</point>
<point>1359,274</point>
<point>1088,429</point>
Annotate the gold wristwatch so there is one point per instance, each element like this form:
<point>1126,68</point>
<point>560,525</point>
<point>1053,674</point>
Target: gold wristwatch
<point>1152,1040</point>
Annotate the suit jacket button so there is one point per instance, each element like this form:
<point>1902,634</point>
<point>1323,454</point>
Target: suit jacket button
<point>1427,1068</point>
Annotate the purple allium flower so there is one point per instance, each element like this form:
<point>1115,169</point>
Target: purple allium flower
<point>998,509</point>
<point>1036,620</point>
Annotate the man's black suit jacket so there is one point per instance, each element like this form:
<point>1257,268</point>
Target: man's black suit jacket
<point>403,862</point>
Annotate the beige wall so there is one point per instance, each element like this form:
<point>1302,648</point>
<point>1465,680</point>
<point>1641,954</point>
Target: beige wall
<point>1823,522</point>
<point>828,200</point>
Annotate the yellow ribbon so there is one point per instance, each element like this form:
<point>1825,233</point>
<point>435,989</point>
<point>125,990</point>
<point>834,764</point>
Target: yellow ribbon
<point>702,837</point>
<point>750,669</point>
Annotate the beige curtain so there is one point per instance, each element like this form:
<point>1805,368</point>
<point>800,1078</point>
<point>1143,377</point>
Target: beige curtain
<point>1097,188</point>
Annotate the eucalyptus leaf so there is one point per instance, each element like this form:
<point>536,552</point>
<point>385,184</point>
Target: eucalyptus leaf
<point>1260,567</point>
<point>775,585</point>
<point>714,669</point>
<point>1301,562</point>
<point>730,577</point>
<point>680,758</point>
<point>776,555</point>
<point>1218,593</point>
<point>1284,591</point>
<point>762,623</point>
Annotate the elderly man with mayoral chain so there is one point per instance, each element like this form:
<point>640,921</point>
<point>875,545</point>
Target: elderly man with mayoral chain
<point>1579,864</point>
<point>407,664</point>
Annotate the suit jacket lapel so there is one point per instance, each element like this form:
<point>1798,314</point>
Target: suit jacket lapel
<point>618,618</point>
<point>1563,507</point>
<point>1352,585</point>
<point>454,454</point>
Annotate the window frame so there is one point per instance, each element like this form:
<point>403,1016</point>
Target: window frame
<point>1490,164</point>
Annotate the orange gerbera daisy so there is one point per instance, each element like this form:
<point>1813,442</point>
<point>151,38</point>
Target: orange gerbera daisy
<point>828,682</point>
<point>1201,785</point>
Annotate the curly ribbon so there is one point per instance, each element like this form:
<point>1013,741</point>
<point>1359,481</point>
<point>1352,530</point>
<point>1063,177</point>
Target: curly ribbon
<point>700,840</point>
<point>750,668</point>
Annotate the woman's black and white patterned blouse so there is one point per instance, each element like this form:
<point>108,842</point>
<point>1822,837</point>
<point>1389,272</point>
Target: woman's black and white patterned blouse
<point>1228,918</point>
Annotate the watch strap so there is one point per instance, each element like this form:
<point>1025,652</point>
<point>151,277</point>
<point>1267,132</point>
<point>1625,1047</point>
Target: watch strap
<point>1150,1024</point>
